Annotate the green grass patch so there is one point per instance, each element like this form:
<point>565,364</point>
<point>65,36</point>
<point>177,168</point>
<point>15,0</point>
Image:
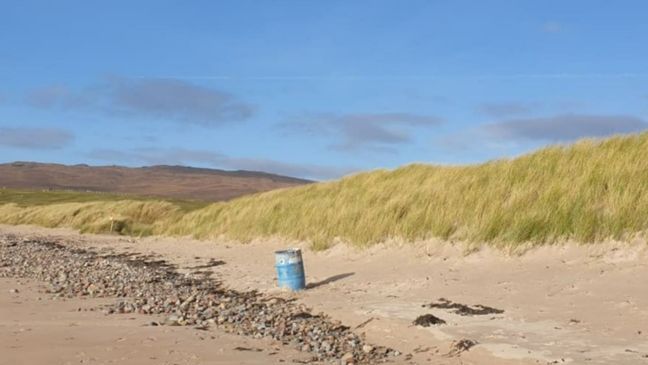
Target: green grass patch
<point>92,212</point>
<point>27,198</point>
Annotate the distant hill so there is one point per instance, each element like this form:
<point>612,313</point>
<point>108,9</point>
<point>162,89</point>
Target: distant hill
<point>164,181</point>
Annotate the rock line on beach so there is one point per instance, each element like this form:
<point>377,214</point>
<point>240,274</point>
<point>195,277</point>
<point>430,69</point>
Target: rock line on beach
<point>146,286</point>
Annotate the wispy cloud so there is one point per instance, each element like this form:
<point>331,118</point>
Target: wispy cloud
<point>35,138</point>
<point>164,99</point>
<point>48,96</point>
<point>176,100</point>
<point>515,135</point>
<point>507,109</point>
<point>374,131</point>
<point>565,127</point>
<point>183,156</point>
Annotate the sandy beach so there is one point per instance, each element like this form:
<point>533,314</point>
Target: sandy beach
<point>561,304</point>
<point>36,330</point>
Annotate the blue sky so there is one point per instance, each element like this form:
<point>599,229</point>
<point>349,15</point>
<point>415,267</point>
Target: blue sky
<point>315,89</point>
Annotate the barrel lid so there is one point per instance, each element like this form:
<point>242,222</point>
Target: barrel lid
<point>288,251</point>
<point>288,256</point>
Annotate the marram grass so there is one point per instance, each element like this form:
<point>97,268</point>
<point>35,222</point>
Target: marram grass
<point>587,192</point>
<point>129,217</point>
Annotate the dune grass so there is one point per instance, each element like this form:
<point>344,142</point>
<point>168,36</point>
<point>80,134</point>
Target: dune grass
<point>589,191</point>
<point>586,192</point>
<point>91,212</point>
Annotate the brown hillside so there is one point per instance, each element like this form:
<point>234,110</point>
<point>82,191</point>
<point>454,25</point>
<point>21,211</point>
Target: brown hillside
<point>164,181</point>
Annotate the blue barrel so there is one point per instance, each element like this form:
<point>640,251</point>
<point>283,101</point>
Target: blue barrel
<point>290,269</point>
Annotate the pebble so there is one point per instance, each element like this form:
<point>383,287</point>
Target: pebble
<point>347,358</point>
<point>140,285</point>
<point>172,321</point>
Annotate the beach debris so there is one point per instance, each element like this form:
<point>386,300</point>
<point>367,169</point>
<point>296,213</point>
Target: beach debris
<point>241,348</point>
<point>361,325</point>
<point>306,361</point>
<point>428,320</point>
<point>463,309</point>
<point>144,285</point>
<point>459,346</point>
<point>421,349</point>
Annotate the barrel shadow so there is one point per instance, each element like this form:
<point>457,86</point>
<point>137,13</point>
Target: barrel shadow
<point>329,280</point>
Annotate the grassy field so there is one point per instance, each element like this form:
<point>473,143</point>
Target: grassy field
<point>92,212</point>
<point>587,192</point>
<point>26,198</point>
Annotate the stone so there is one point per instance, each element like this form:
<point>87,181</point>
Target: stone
<point>347,358</point>
<point>326,346</point>
<point>172,321</point>
<point>154,287</point>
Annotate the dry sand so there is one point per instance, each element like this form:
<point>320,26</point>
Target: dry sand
<point>563,304</point>
<point>35,330</point>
